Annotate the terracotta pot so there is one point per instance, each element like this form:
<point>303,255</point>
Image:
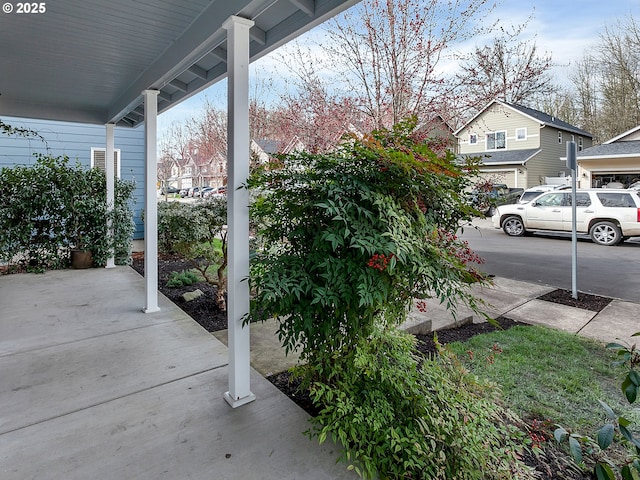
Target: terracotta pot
<point>81,259</point>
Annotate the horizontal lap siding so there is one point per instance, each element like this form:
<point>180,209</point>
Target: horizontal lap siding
<point>76,140</point>
<point>495,119</point>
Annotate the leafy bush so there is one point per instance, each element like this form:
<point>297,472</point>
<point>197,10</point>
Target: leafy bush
<point>350,238</point>
<point>53,206</point>
<point>182,279</point>
<point>198,233</point>
<point>608,467</point>
<point>401,419</point>
<point>348,241</point>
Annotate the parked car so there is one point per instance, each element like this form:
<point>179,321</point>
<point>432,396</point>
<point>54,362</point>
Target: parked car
<point>487,201</point>
<point>206,191</point>
<point>193,191</point>
<point>184,192</point>
<point>608,216</point>
<point>219,192</point>
<point>170,190</point>
<point>533,192</point>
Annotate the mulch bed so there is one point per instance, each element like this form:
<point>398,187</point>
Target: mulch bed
<point>595,303</point>
<point>204,309</point>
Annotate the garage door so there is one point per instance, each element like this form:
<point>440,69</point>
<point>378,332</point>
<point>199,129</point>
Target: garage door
<point>499,176</point>
<point>601,179</point>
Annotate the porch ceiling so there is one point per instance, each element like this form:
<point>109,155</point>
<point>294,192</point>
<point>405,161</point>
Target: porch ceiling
<point>89,60</point>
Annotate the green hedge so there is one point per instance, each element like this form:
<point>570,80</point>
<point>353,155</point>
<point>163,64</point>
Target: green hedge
<point>54,206</point>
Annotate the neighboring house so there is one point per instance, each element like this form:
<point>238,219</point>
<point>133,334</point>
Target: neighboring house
<point>519,146</point>
<point>196,169</point>
<point>440,133</point>
<point>264,149</point>
<point>617,160</point>
<point>80,142</point>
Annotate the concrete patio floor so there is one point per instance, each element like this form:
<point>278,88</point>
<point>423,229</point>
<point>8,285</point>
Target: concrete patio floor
<point>92,387</point>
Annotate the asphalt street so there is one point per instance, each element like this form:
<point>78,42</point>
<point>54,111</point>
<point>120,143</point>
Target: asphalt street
<point>546,260</point>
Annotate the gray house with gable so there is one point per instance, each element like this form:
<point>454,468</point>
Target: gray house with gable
<point>519,146</point>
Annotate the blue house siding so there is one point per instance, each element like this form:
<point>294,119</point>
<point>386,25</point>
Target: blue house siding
<point>76,141</point>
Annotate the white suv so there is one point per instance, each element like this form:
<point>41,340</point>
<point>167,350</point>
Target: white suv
<point>607,215</point>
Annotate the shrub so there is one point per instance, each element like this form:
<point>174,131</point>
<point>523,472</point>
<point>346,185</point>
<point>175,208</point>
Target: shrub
<point>198,233</point>
<point>348,241</point>
<point>53,206</point>
<point>350,238</point>
<point>182,279</point>
<point>401,419</point>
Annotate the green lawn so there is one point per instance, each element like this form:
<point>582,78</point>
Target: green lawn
<point>550,374</point>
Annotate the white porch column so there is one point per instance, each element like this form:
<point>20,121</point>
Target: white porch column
<point>238,209</point>
<point>109,166</point>
<point>150,201</point>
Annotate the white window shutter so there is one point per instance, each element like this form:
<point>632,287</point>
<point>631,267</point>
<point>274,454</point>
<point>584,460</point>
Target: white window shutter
<point>98,160</point>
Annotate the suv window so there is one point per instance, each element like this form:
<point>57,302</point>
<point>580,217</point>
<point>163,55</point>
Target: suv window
<point>616,199</point>
<point>582,199</point>
<point>550,200</point>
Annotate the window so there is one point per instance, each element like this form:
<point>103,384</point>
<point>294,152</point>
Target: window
<point>559,137</point>
<point>521,133</point>
<point>555,199</point>
<point>580,144</point>
<point>616,200</point>
<point>582,199</point>
<point>473,138</point>
<point>496,140</point>
<point>98,160</point>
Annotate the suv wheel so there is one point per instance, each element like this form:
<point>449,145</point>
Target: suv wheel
<point>513,226</point>
<point>605,233</point>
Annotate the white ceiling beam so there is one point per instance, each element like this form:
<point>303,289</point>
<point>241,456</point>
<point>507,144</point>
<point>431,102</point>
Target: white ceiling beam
<point>307,6</point>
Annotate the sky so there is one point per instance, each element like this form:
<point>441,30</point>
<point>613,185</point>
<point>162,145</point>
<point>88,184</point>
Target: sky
<point>564,28</point>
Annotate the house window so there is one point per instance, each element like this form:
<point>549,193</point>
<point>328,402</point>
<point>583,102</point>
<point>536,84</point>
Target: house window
<point>521,133</point>
<point>496,140</point>
<point>473,139</point>
<point>580,144</point>
<point>559,137</point>
<point>98,160</point>
<point>187,170</point>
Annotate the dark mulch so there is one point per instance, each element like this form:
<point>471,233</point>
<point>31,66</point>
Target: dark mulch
<point>203,309</point>
<point>426,345</point>
<point>587,301</point>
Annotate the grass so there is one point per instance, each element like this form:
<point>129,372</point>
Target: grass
<point>550,374</point>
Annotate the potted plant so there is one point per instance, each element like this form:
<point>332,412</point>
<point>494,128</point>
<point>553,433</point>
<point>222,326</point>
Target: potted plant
<point>86,216</point>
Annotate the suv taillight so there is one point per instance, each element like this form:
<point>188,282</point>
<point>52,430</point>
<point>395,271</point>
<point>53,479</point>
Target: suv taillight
<point>639,215</point>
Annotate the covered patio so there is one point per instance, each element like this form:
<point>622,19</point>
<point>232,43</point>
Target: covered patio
<point>121,63</point>
<point>101,376</point>
<point>94,388</point>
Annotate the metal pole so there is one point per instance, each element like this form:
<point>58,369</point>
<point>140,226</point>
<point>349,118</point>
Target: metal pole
<point>571,163</point>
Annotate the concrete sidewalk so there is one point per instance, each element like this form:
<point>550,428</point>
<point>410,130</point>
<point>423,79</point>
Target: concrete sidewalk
<point>94,388</point>
<point>510,298</point>
<point>518,300</point>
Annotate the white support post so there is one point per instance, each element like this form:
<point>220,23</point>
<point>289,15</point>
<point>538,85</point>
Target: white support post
<point>150,201</point>
<point>238,210</point>
<point>109,165</point>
